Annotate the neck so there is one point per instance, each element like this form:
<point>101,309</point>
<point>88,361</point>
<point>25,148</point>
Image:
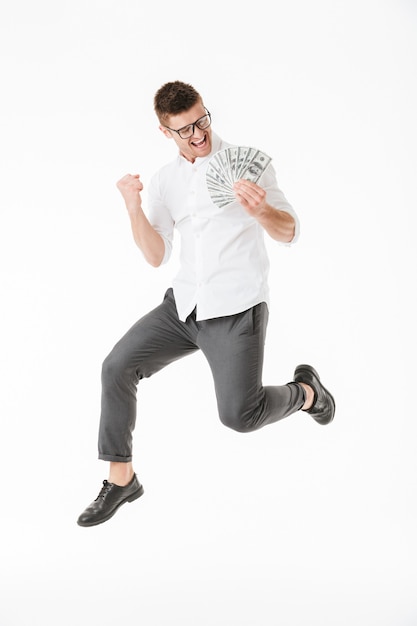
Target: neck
<point>187,157</point>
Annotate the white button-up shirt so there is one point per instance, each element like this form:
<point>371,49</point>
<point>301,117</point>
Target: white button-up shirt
<point>223,260</point>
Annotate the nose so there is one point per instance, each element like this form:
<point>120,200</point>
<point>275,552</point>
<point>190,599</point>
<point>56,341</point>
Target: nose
<point>197,132</point>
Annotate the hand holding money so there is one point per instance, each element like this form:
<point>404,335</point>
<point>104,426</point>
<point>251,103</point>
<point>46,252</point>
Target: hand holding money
<point>234,164</point>
<point>251,197</point>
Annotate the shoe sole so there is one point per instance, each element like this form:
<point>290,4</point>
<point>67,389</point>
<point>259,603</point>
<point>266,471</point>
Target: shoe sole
<point>134,496</point>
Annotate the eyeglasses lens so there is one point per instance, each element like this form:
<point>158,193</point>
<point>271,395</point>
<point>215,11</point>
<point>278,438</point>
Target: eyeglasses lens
<point>202,124</point>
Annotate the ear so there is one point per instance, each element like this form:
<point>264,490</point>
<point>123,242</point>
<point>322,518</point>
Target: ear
<point>165,131</point>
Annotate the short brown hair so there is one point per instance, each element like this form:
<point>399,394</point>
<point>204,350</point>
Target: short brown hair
<point>173,98</point>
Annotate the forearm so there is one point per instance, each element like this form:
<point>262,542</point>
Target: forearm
<point>147,239</point>
<point>279,225</point>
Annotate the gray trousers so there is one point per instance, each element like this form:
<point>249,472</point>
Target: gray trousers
<point>234,348</point>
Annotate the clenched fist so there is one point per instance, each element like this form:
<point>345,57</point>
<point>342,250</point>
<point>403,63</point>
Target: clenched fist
<point>130,187</point>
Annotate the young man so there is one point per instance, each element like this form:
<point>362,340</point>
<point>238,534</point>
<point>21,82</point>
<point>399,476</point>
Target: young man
<point>218,302</point>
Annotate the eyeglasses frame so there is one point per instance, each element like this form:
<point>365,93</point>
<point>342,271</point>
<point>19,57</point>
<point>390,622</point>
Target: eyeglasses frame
<point>193,125</point>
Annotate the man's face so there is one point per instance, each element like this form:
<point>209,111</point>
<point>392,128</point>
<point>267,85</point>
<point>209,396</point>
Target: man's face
<point>199,144</point>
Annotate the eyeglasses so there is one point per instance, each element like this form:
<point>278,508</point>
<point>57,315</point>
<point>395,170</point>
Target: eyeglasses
<point>188,131</point>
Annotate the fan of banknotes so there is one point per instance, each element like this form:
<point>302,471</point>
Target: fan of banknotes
<point>229,165</point>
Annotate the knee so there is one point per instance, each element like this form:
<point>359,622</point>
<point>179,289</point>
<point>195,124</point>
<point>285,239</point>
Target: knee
<point>238,421</point>
<point>108,369</point>
<point>114,367</point>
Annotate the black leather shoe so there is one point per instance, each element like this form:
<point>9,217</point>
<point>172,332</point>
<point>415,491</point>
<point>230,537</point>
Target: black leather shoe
<point>323,407</point>
<point>110,498</point>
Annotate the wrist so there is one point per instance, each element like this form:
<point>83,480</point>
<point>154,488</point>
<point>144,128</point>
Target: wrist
<point>134,208</point>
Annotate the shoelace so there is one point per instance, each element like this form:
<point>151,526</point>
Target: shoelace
<point>104,490</point>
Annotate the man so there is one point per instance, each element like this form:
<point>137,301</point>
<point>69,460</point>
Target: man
<point>218,303</point>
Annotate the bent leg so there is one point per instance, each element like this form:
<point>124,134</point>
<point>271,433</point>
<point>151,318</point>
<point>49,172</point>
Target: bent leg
<point>234,347</point>
<point>155,341</point>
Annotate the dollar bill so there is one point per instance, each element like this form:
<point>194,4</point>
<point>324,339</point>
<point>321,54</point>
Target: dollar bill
<point>254,168</point>
<point>232,164</point>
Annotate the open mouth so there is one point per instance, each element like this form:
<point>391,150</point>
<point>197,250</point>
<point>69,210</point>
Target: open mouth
<point>201,143</point>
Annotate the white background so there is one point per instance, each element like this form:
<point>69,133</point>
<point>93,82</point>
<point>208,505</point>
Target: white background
<point>296,524</point>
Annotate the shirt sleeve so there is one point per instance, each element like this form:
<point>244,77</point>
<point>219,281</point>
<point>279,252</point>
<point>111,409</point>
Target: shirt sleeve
<point>159,216</point>
<point>276,198</point>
